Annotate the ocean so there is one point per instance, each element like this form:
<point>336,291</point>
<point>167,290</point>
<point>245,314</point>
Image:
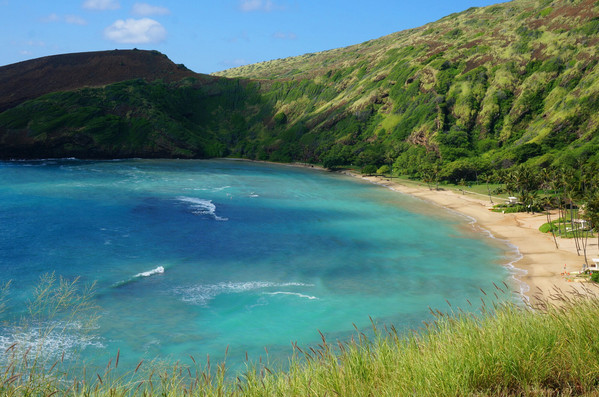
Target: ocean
<point>192,258</point>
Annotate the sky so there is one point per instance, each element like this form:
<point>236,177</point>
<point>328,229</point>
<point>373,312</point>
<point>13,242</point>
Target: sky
<point>208,35</point>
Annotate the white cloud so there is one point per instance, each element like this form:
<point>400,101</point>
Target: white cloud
<point>70,19</point>
<point>144,10</point>
<point>242,37</point>
<point>285,36</point>
<point>258,5</point>
<point>135,31</point>
<point>75,20</point>
<point>101,4</point>
<point>51,18</point>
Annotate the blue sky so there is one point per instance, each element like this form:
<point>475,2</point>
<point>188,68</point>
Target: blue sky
<point>208,35</point>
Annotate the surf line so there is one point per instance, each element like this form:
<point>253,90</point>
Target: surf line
<point>158,270</point>
<point>291,293</point>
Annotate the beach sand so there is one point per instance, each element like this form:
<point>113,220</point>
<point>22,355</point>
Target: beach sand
<point>543,263</point>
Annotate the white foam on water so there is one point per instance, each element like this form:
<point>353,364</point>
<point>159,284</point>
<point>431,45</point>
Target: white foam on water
<point>202,294</point>
<point>291,293</point>
<point>158,270</point>
<point>208,189</point>
<point>49,341</point>
<point>201,207</point>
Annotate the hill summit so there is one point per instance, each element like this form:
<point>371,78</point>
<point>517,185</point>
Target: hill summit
<point>30,79</point>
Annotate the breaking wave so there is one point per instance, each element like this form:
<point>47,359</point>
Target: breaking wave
<point>204,293</point>
<point>201,207</point>
<point>158,270</point>
<point>292,294</point>
<point>49,341</point>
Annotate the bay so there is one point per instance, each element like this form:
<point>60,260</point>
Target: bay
<point>192,256</point>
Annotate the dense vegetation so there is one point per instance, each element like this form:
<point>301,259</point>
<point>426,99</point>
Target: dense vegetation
<point>188,119</point>
<point>505,349</point>
<point>479,91</point>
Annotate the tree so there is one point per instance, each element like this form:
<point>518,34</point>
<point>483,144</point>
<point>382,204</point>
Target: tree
<point>369,169</point>
<point>547,204</point>
<point>488,179</point>
<point>384,169</point>
<point>592,212</point>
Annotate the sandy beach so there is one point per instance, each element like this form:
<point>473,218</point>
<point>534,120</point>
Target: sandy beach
<point>543,263</point>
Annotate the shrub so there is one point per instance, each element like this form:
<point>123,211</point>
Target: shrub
<point>369,169</point>
<point>595,277</point>
<point>280,118</point>
<point>385,169</point>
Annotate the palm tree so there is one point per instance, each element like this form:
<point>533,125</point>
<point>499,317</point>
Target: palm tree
<point>546,180</point>
<point>436,172</point>
<point>592,212</point>
<point>462,183</point>
<point>488,179</point>
<point>547,203</point>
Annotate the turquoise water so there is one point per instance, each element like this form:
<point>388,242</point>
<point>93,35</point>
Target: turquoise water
<point>190,257</point>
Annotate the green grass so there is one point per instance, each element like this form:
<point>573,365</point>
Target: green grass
<point>564,230</point>
<point>506,349</point>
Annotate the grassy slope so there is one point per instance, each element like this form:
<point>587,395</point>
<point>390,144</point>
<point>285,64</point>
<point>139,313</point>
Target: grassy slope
<point>510,82</point>
<point>506,350</point>
<point>190,118</point>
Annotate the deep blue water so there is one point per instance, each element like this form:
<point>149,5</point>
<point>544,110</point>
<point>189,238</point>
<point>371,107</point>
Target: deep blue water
<point>254,255</point>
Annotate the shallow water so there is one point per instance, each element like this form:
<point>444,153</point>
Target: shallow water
<point>193,256</point>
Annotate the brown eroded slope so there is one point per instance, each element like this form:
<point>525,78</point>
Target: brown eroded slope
<point>31,79</point>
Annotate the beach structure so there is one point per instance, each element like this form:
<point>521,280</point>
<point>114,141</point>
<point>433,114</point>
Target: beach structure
<point>512,200</point>
<point>581,224</point>
<point>594,265</point>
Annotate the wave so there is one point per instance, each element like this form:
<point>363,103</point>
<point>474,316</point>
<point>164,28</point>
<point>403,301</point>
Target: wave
<point>291,293</point>
<point>201,207</point>
<point>48,341</point>
<point>209,189</point>
<point>202,294</point>
<point>158,270</point>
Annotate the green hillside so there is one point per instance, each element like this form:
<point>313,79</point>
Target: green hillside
<point>476,91</point>
<point>486,88</point>
<point>188,119</point>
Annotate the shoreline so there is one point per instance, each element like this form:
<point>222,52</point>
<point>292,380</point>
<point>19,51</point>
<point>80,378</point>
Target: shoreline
<point>538,265</point>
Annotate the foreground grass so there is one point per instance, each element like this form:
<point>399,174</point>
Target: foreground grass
<point>552,349</point>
